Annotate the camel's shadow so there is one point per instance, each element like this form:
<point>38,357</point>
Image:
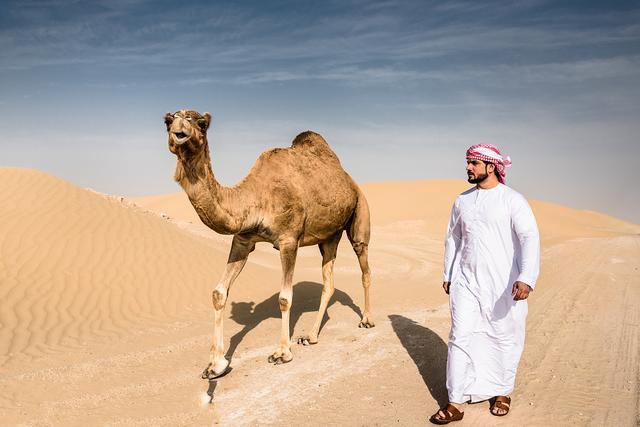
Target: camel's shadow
<point>306,298</point>
<point>429,353</point>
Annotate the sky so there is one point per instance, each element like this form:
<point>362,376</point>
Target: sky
<point>399,89</point>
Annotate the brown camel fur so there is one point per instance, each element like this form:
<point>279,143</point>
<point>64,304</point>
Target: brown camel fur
<point>295,196</point>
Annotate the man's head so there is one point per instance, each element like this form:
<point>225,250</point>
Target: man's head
<point>484,160</point>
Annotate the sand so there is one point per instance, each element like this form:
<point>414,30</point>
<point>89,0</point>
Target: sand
<point>106,317</point>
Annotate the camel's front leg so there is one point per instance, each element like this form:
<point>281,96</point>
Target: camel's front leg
<point>240,250</point>
<point>288,252</point>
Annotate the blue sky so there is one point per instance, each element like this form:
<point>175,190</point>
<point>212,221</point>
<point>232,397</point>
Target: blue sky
<point>399,89</point>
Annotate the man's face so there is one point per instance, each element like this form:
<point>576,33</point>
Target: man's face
<point>476,171</point>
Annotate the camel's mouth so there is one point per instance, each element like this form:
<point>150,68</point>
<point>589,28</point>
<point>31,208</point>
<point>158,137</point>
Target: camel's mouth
<point>180,137</point>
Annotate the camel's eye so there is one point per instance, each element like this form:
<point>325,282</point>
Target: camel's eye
<point>202,124</point>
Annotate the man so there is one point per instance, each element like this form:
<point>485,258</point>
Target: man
<point>491,263</point>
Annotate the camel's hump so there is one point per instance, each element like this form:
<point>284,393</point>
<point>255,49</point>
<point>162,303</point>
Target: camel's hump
<point>308,138</point>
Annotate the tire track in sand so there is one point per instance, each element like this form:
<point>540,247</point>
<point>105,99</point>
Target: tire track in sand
<point>582,336</point>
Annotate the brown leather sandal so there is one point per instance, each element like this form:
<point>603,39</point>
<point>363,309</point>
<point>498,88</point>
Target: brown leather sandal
<point>451,413</point>
<point>500,402</point>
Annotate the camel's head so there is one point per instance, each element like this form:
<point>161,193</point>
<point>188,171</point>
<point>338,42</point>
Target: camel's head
<point>187,132</point>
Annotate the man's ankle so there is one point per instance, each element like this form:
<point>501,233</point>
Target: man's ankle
<point>458,406</point>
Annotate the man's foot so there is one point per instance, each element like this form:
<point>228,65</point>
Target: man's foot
<point>446,415</point>
<point>500,406</point>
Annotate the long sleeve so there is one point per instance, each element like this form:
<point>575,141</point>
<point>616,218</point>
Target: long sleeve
<point>452,242</point>
<point>525,227</point>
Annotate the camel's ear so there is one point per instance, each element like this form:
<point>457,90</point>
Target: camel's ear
<point>168,119</point>
<point>205,122</point>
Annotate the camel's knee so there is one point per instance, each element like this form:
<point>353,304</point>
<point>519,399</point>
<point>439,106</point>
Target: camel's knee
<point>360,248</point>
<point>366,280</point>
<point>285,303</point>
<point>219,298</point>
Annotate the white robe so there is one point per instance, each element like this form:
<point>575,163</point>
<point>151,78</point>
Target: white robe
<point>492,241</point>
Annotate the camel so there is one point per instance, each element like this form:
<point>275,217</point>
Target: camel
<point>292,197</point>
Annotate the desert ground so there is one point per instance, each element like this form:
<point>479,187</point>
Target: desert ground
<point>106,317</point>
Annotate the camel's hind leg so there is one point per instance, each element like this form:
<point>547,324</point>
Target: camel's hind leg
<point>328,250</point>
<point>359,233</point>
<point>240,250</point>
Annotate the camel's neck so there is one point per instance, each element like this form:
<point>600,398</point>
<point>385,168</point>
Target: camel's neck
<point>215,204</point>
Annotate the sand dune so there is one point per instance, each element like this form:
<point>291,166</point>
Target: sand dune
<point>106,317</point>
<point>78,266</point>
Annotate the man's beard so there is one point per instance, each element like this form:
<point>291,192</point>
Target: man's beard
<point>477,178</point>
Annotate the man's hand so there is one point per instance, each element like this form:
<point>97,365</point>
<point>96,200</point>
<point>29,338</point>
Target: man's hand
<point>445,286</point>
<point>520,291</point>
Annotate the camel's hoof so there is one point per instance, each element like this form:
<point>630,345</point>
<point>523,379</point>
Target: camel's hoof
<point>366,324</point>
<point>210,374</point>
<point>279,360</point>
<point>307,341</point>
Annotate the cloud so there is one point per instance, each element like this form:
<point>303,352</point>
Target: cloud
<point>242,39</point>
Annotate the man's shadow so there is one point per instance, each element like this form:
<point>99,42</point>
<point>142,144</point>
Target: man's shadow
<point>306,298</point>
<point>429,353</point>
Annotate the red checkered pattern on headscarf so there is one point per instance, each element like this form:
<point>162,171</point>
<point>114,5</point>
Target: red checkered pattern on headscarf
<point>489,153</point>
